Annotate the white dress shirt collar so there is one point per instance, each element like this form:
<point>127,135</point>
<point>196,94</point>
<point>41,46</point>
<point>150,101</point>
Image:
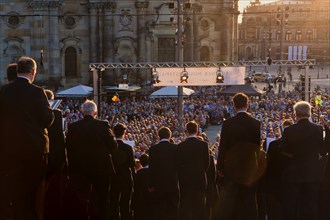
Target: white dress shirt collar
<point>24,77</point>
<point>163,140</point>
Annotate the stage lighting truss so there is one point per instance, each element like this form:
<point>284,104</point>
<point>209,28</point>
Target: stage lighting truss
<point>125,78</point>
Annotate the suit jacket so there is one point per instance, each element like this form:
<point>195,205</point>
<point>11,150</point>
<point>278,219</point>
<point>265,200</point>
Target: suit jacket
<point>304,142</point>
<point>56,156</point>
<point>25,115</point>
<point>275,166</point>
<point>193,161</point>
<point>123,159</point>
<point>163,167</point>
<point>89,144</point>
<point>240,137</point>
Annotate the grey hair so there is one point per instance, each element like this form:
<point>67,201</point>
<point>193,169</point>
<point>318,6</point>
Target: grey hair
<point>89,108</point>
<point>302,109</point>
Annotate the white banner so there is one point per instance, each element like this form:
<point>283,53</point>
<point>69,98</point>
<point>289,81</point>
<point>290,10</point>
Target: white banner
<point>300,48</point>
<point>304,52</point>
<point>290,48</point>
<point>198,76</point>
<point>295,52</point>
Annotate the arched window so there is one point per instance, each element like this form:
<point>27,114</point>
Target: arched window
<point>248,53</point>
<point>13,52</point>
<point>71,62</point>
<point>205,54</point>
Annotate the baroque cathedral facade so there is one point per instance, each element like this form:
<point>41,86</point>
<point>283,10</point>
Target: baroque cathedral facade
<point>65,36</point>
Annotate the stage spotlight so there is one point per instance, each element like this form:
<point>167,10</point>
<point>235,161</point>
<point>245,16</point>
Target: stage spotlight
<point>220,77</point>
<point>184,76</point>
<point>155,76</point>
<point>125,78</point>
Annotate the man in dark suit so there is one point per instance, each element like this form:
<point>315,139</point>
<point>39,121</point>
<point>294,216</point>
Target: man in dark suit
<point>56,160</point>
<point>164,176</point>
<point>122,182</point>
<point>89,145</point>
<point>324,212</point>
<point>143,200</point>
<point>236,164</point>
<point>12,72</point>
<point>193,162</point>
<point>25,115</point>
<point>56,156</point>
<point>273,176</point>
<point>303,143</point>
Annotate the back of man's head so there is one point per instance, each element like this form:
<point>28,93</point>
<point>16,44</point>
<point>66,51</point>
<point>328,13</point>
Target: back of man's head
<point>26,65</point>
<point>89,108</point>
<point>49,94</point>
<point>144,160</point>
<point>11,72</point>
<point>192,128</point>
<point>164,133</point>
<point>119,130</point>
<point>302,109</point>
<point>240,101</point>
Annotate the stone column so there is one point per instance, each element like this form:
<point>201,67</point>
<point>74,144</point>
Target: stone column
<point>48,37</point>
<point>141,7</point>
<point>141,29</point>
<point>226,35</point>
<point>54,57</point>
<point>108,31</point>
<point>93,40</point>
<point>235,32</point>
<point>194,22</point>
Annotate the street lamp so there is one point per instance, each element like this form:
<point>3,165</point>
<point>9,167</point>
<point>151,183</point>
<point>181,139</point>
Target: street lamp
<point>99,87</point>
<point>180,60</point>
<point>282,19</point>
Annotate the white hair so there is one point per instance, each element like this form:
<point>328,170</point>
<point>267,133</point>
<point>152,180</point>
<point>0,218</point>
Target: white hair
<point>302,109</point>
<point>89,108</point>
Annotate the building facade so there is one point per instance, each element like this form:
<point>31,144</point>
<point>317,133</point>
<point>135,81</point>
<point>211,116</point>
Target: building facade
<point>64,36</point>
<point>285,30</point>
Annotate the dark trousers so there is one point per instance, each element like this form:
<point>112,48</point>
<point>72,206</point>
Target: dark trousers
<point>274,206</point>
<point>19,190</point>
<point>120,197</point>
<point>166,205</point>
<point>238,202</point>
<point>55,196</point>
<point>300,201</point>
<point>93,193</point>
<point>192,205</point>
